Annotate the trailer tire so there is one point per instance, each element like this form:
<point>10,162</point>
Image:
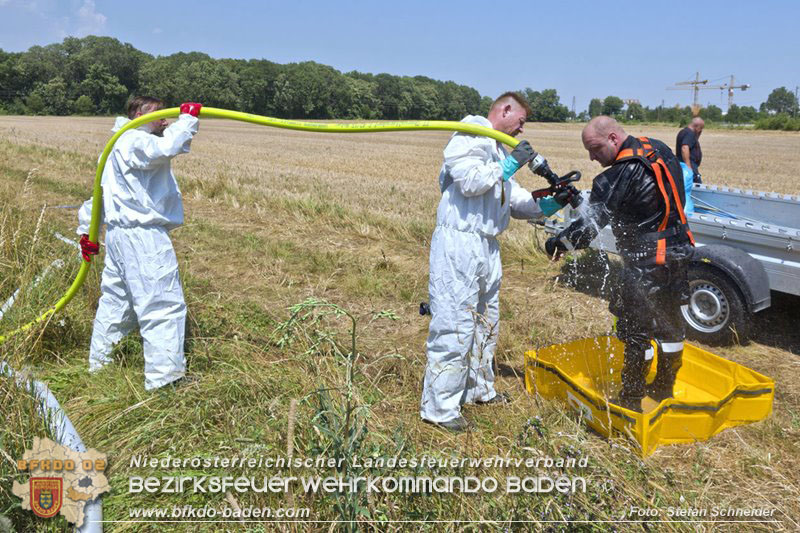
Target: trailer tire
<point>717,313</point>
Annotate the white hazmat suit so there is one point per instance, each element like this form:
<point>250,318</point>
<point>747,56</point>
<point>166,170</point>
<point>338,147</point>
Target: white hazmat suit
<point>465,272</point>
<point>140,282</point>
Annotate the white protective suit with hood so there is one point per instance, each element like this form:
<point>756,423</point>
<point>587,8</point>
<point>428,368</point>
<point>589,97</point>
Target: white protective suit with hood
<point>465,272</point>
<point>140,282</point>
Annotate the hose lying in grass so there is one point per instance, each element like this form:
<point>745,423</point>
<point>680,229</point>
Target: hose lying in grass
<point>64,433</point>
<point>210,112</point>
<point>61,427</point>
<point>6,307</point>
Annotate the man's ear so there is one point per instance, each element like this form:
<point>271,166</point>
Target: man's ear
<point>506,109</point>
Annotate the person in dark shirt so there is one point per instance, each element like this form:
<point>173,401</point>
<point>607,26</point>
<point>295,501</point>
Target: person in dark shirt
<point>687,147</point>
<point>641,195</point>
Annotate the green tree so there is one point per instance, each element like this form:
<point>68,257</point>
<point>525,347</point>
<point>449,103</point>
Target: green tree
<point>122,61</point>
<point>454,105</point>
<point>595,108</point>
<point>16,107</point>
<point>107,71</point>
<point>780,100</point>
<point>655,114</point>
<point>10,81</point>
<point>545,106</point>
<point>39,65</point>
<point>83,105</point>
<point>105,91</point>
<point>209,82</point>
<point>363,101</point>
<point>426,103</point>
<point>686,115</point>
<point>158,78</point>
<point>54,95</point>
<point>612,106</point>
<point>309,90</point>
<point>780,121</point>
<point>741,115</point>
<point>635,112</point>
<point>486,104</point>
<point>471,99</point>
<point>34,104</point>
<point>711,113</point>
<point>394,98</point>
<point>257,86</point>
<point>666,114</point>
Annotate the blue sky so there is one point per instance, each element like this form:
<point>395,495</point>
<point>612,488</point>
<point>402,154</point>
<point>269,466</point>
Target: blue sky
<point>583,49</point>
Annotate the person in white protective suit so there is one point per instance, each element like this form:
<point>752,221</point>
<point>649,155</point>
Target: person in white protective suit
<point>479,195</point>
<point>140,282</point>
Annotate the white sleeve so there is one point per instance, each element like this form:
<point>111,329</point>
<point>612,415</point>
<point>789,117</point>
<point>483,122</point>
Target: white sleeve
<point>522,203</point>
<point>85,217</point>
<point>147,151</point>
<point>470,164</point>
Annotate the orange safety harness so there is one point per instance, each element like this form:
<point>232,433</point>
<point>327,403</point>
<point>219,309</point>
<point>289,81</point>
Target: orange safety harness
<point>646,154</point>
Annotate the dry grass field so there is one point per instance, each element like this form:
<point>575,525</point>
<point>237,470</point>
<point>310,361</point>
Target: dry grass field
<point>275,218</point>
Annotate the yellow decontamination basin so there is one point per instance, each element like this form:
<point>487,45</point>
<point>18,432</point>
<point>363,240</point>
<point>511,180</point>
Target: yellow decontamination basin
<point>710,394</point>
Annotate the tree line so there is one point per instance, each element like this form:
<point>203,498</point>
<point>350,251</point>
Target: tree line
<point>779,111</point>
<point>97,75</point>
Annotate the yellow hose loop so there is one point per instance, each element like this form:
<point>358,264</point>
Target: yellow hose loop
<point>211,112</point>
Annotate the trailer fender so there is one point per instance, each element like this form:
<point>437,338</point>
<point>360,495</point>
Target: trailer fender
<point>748,274</point>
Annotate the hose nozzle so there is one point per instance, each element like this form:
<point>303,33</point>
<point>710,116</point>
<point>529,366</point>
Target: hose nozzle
<point>539,166</point>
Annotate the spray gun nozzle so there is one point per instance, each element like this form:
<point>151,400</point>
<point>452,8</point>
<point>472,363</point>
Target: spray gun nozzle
<point>539,166</point>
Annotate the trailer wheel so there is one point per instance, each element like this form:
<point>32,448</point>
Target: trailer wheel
<point>716,313</point>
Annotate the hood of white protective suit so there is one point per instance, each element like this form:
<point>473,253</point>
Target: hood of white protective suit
<point>121,121</point>
<point>477,119</point>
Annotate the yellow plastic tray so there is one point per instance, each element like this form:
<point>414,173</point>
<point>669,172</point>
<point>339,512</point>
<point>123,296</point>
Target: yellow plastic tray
<point>711,393</point>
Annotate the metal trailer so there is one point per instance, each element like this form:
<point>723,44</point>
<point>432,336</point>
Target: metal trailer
<point>748,243</point>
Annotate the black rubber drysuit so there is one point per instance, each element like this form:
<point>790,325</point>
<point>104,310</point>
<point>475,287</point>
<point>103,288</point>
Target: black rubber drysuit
<point>649,294</point>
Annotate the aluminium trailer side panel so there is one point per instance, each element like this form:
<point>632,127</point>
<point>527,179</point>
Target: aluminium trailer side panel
<point>768,207</point>
<point>776,250</point>
<point>766,225</point>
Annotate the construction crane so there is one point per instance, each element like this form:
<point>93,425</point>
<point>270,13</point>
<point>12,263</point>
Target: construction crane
<point>696,86</point>
<point>731,86</point>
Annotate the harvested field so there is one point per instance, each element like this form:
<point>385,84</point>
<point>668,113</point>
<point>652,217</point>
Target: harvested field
<point>275,217</point>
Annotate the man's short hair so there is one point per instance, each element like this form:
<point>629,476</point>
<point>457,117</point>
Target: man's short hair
<point>138,103</point>
<point>516,97</point>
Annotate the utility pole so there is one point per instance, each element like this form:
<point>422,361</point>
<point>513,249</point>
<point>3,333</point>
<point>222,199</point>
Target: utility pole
<point>795,99</point>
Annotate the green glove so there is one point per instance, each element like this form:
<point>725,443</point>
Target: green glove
<point>519,156</point>
<point>549,205</point>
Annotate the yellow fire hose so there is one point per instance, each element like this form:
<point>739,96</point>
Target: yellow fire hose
<point>210,112</point>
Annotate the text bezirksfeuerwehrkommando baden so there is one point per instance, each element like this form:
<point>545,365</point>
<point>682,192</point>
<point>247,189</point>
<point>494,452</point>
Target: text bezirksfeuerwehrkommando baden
<point>354,483</point>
